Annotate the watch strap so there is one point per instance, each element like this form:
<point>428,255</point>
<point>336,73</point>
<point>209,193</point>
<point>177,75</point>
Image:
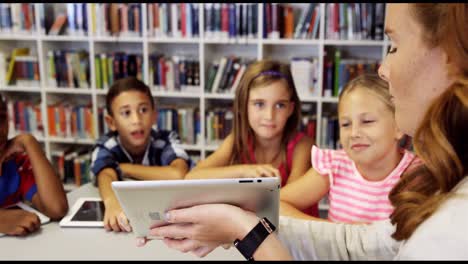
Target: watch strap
<point>249,244</point>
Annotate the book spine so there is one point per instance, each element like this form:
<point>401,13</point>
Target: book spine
<point>183,20</point>
<point>316,23</point>
<point>224,21</point>
<point>71,18</point>
<point>238,22</point>
<point>188,20</point>
<point>217,20</point>
<point>174,17</point>
<point>97,67</point>
<point>110,69</point>
<point>104,75</point>
<point>195,19</point>
<point>79,17</point>
<point>2,68</point>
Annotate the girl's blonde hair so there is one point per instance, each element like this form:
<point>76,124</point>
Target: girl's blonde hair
<point>371,82</point>
<point>261,73</point>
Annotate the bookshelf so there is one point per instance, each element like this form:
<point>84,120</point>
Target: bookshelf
<point>204,49</point>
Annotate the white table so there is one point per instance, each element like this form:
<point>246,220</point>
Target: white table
<point>53,242</point>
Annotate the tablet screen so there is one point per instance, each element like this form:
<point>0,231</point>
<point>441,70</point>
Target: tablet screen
<point>90,211</point>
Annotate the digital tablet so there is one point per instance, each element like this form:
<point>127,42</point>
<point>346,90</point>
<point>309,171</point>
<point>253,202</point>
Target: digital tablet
<point>86,212</point>
<point>20,205</point>
<point>145,202</point>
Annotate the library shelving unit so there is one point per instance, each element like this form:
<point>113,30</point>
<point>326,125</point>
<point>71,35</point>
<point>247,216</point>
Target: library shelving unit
<point>204,48</point>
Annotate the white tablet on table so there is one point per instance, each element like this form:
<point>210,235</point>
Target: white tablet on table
<point>20,205</point>
<point>86,212</point>
<point>145,202</point>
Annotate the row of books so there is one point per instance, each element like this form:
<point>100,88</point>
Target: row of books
<point>279,21</point>
<point>67,68</point>
<point>231,20</point>
<point>177,73</point>
<point>184,120</point>
<point>26,71</point>
<point>330,132</point>
<point>73,165</point>
<point>177,20</point>
<point>218,124</point>
<point>70,121</point>
<point>25,116</point>
<point>174,73</point>
<point>117,19</point>
<point>224,75</point>
<point>222,20</point>
<point>338,71</point>
<point>355,21</point>
<point>110,67</point>
<point>17,18</point>
<point>20,68</point>
<point>63,19</point>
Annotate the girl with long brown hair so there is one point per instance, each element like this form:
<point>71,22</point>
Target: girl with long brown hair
<point>265,140</point>
<point>427,70</point>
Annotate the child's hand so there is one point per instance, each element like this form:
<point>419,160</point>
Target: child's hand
<point>123,222</point>
<point>13,146</point>
<point>114,217</point>
<point>17,222</point>
<point>257,171</point>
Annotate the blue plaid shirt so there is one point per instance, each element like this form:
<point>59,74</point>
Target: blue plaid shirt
<point>161,151</point>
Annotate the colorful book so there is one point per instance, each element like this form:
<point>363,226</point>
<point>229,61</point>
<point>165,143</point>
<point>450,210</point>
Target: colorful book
<point>11,65</point>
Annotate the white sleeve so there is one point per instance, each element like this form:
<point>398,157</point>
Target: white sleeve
<point>315,240</point>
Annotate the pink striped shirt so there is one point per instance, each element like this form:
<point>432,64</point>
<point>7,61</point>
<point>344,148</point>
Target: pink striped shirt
<point>351,197</point>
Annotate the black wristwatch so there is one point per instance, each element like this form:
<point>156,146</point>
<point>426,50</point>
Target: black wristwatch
<point>254,238</point>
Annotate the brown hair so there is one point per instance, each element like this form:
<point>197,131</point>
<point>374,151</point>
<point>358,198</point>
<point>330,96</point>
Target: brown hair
<point>374,84</point>
<point>251,79</point>
<point>440,140</point>
<point>123,85</point>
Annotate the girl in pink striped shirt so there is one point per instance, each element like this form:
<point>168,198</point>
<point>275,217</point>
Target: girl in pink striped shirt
<point>359,177</point>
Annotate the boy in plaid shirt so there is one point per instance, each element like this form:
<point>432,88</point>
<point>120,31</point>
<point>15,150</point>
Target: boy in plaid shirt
<point>133,148</point>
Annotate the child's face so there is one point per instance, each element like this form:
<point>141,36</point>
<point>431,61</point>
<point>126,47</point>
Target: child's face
<point>269,108</point>
<point>368,130</point>
<point>133,118</point>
